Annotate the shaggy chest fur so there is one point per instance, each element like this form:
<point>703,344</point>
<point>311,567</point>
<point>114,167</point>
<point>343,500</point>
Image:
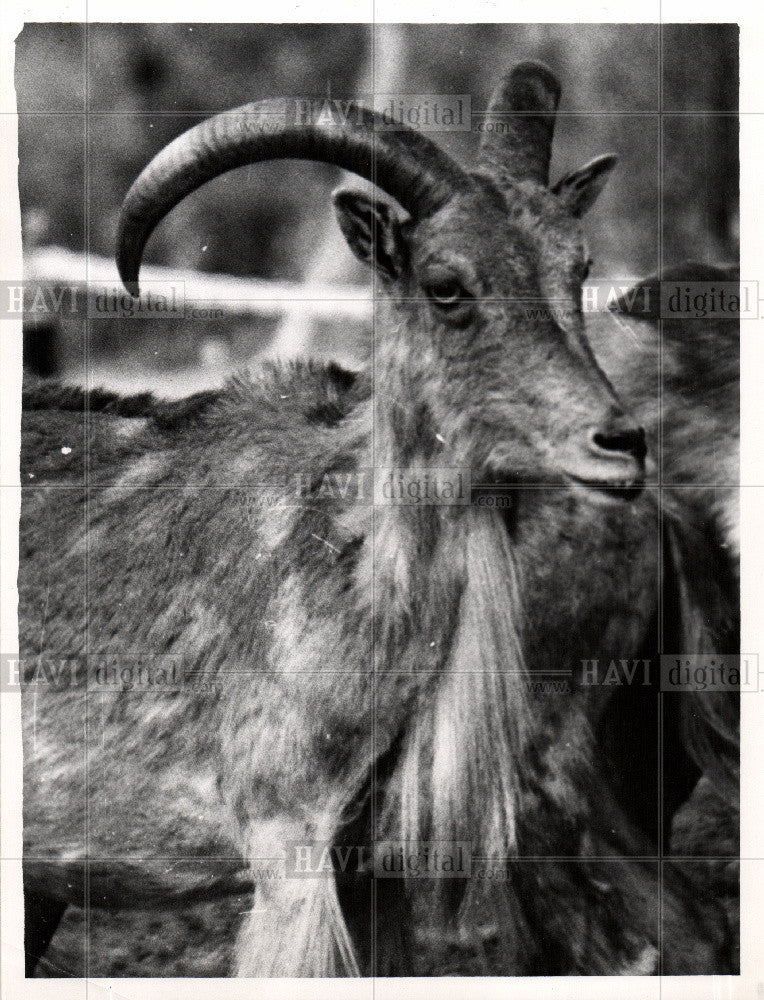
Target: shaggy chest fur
<point>340,671</point>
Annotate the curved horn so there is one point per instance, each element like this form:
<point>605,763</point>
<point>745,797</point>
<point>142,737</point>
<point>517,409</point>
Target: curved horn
<point>522,113</point>
<point>404,163</point>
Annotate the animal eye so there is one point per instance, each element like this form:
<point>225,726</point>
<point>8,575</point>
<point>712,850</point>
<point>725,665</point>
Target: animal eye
<point>447,294</point>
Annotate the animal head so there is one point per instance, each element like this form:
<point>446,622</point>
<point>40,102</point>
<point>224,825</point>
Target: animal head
<point>486,355</point>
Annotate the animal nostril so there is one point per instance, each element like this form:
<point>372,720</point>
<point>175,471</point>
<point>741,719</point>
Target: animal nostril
<point>626,440</point>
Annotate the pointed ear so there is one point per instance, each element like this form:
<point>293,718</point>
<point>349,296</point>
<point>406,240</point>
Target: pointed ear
<point>372,231</point>
<point>579,189</point>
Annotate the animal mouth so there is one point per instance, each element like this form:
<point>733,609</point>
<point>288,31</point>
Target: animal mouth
<point>505,485</point>
<point>626,489</point>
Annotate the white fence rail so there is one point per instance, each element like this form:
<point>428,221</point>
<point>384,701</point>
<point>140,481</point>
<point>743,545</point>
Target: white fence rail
<point>92,275</point>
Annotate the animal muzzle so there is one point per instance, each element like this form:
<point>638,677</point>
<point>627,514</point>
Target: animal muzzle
<point>611,458</point>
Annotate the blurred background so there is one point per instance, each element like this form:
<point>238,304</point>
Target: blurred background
<point>96,102</point>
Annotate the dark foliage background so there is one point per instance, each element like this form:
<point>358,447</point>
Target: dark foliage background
<point>143,84</point>
<point>97,101</point>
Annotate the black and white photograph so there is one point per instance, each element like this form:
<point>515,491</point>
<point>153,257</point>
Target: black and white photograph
<point>372,507</point>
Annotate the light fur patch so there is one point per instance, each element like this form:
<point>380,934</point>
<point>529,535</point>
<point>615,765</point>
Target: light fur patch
<point>144,471</point>
<point>646,964</point>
